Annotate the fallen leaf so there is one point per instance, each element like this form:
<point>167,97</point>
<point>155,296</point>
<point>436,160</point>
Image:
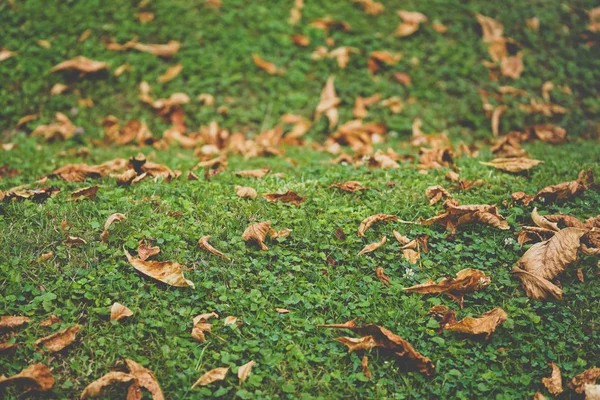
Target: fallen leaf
<point>403,78</point>
<point>171,73</point>
<point>350,186</point>
<point>516,164</point>
<point>35,377</point>
<point>145,378</point>
<point>253,173</point>
<point>97,388</point>
<point>270,68</point>
<point>81,64</point>
<point>492,30</point>
<point>485,324</point>
<point>367,222</point>
<point>87,192</point>
<point>587,377</point>
<point>554,382</point>
<point>410,22</point>
<point>161,50</point>
<point>379,58</point>
<point>282,310</point>
<point>84,35</point>
<point>118,312</point>
<point>373,246</point>
<point>244,371</point>
<point>146,250</point>
<point>566,190</point>
<point>121,69</point>
<point>257,233</point>
<point>8,322</point>
<point>60,340</point>
<point>543,222</point>
<point>342,55</point>
<point>61,129</point>
<point>364,363</point>
<point>377,336</point>
<point>51,320</point>
<point>328,103</point>
<point>371,7</point>
<point>287,197</point>
<point>456,215</point>
<point>383,278</point>
<point>113,218</point>
<point>533,23</point>
<point>535,287</point>
<point>217,374</point>
<point>361,104</point>
<point>394,104</point>
<point>512,66</point>
<point>466,281</point>
<point>201,326</point>
<point>296,12</point>
<point>246,191</point>
<point>27,118</point>
<point>5,54</point>
<point>74,241</point>
<point>168,272</point>
<point>230,320</point>
<point>145,17</point>
<point>436,193</point>
<point>301,40</point>
<point>203,243</point>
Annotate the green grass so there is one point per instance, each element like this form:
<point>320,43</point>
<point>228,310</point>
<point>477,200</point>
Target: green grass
<point>294,359</point>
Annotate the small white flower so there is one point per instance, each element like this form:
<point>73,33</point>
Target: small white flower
<point>409,273</point>
<point>508,241</point>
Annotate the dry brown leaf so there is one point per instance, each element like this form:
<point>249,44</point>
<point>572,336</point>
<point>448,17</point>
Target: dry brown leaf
<point>342,55</point>
<point>383,278</point>
<point>217,374</point>
<point>287,197</point>
<point>27,118</point>
<point>145,17</point>
<point>371,7</point>
<point>516,164</point>
<point>230,320</point>
<point>543,222</point>
<point>81,64</point>
<point>328,103</point>
<point>253,173</point>
<point>244,371</point>
<point>62,129</point>
<point>410,22</point>
<point>364,363</point>
<point>296,12</point>
<point>554,382</point>
<point>282,310</point>
<point>536,287</point>
<point>394,104</point>
<point>549,133</point>
<point>203,243</point>
<point>74,241</point>
<point>492,30</point>
<point>457,215</point>
<point>434,158</point>
<point>168,272</point>
<point>373,246</point>
<point>566,190</point>
<point>97,388</point>
<point>146,250</point>
<point>349,186</point>
<point>87,192</point>
<point>361,104</point>
<point>35,377</point>
<point>257,233</point>
<point>246,191</point>
<point>269,67</point>
<point>467,280</point>
<point>51,320</point>
<point>377,336</point>
<point>436,193</point>
<point>60,340</point>
<point>8,322</point>
<point>379,58</point>
<point>118,312</point>
<point>113,218</point>
<point>587,377</point>
<point>512,66</point>
<point>201,326</point>
<point>161,50</point>
<point>328,24</point>
<point>145,378</point>
<point>171,73</point>
<point>301,40</point>
<point>5,54</point>
<point>20,193</point>
<point>367,222</point>
<point>485,324</point>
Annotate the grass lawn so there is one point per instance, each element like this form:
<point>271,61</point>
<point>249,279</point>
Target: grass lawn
<point>315,271</point>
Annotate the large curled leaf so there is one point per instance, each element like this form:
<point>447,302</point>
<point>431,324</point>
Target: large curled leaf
<point>554,382</point>
<point>97,388</point>
<point>467,280</point>
<point>168,272</point>
<point>35,377</point>
<point>60,340</point>
<point>367,222</point>
<point>485,324</point>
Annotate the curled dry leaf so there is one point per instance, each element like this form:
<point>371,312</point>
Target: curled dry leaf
<point>535,287</point>
<point>161,50</point>
<point>436,193</point>
<point>230,320</point>
<point>371,7</point>
<point>253,173</point>
<point>203,243</point>
<point>588,377</point>
<point>554,382</point>
<point>410,22</point>
<point>341,54</point>
<point>201,326</point>
<point>492,30</point>
<point>383,278</point>
<point>81,64</point>
<point>217,374</point>
<point>97,388</point>
<point>244,371</point>
<point>373,246</point>
<point>60,340</point>
<point>146,250</point>
<point>74,241</point>
<point>51,320</point>
<point>485,324</point>
<point>328,103</point>
<point>118,312</point>
<point>376,336</point>
<point>364,363</point>
<point>8,322</point>
<point>287,197</point>
<point>168,272</point>
<point>5,54</point>
<point>567,190</point>
<point>145,378</point>
<point>61,129</point>
<point>87,192</point>
<point>467,280</point>
<point>378,58</point>
<point>257,233</point>
<point>350,186</point>
<point>44,257</point>
<point>516,164</point>
<point>35,377</point>
<point>543,222</point>
<point>361,104</point>
<point>269,67</point>
<point>457,215</point>
<point>246,191</point>
<point>113,218</point>
<point>367,222</point>
<point>171,73</point>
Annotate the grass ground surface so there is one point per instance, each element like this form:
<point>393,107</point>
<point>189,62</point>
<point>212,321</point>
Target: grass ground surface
<point>313,273</point>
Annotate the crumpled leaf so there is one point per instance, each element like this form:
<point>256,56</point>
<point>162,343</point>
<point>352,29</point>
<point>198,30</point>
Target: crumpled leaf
<point>492,30</point>
<point>485,324</point>
<point>171,73</point>
<point>287,197</point>
<point>51,320</point>
<point>371,7</point>
<point>113,218</point>
<point>457,215</point>
<point>118,312</point>
<point>383,278</point>
<point>554,382</point>
<point>544,222</point>
<point>5,54</point>
<point>567,190</point>
<point>86,192</point>
<point>587,377</point>
<point>217,374</point>
<point>203,243</point>
<point>161,50</point>
<point>146,250</point>
<point>512,66</point>
<point>244,371</point>
<point>367,222</point>
<point>254,173</point>
<point>328,103</point>
<point>410,22</point>
<point>8,322</point>
<point>246,191</point>
<point>257,233</point>
<point>19,193</point>
<point>515,164</point>
<point>168,272</point>
<point>535,287</point>
<point>373,246</point>
<point>269,67</point>
<point>96,388</point>
<point>436,193</point>
<point>341,54</point>
<point>35,377</point>
<point>81,64</point>
<point>361,104</point>
<point>60,340</point>
<point>201,326</point>
<point>377,336</point>
<point>145,378</point>
<point>350,186</point>
<point>364,363</point>
<point>435,158</point>
<point>61,129</point>
<point>466,281</point>
<point>378,58</point>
